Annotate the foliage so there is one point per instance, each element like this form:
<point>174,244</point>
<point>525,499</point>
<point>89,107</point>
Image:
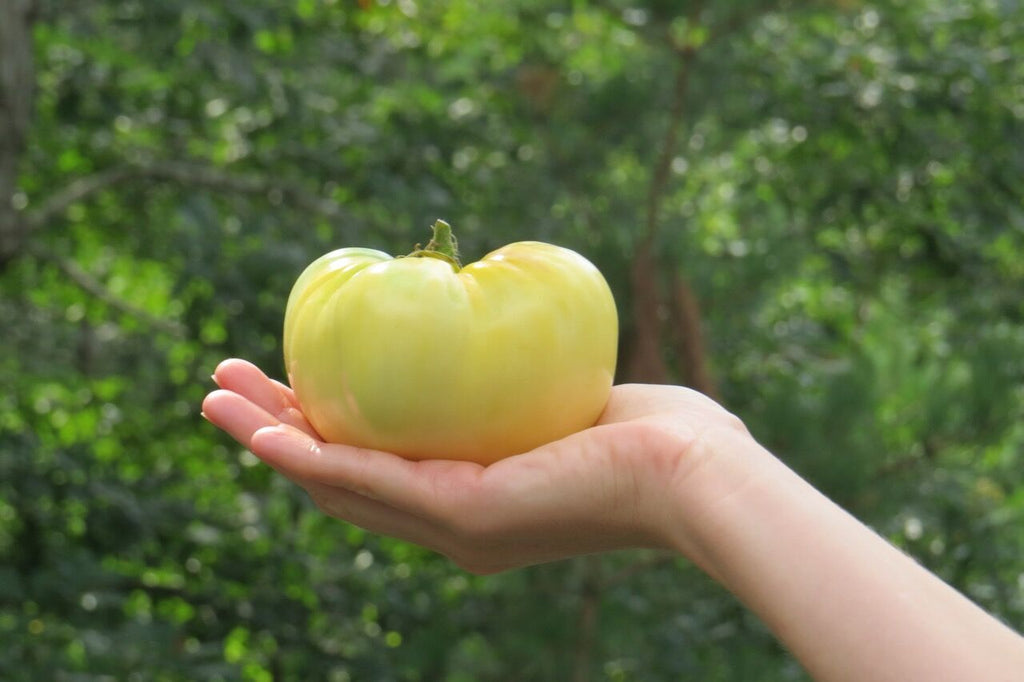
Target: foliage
<point>845,198</point>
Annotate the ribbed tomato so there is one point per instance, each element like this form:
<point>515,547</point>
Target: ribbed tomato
<point>427,359</point>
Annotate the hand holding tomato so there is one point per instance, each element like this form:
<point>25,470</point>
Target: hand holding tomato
<point>603,488</point>
<point>502,367</point>
<point>663,467</point>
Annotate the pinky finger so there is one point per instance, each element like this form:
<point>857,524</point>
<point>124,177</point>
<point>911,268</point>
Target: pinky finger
<point>374,516</point>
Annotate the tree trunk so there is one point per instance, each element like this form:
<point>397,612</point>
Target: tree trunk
<point>689,338</point>
<point>645,362</point>
<point>16,85</point>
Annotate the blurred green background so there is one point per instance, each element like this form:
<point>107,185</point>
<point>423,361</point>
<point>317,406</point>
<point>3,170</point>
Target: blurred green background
<point>813,211</point>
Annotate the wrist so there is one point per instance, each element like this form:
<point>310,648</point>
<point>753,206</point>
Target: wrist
<point>713,474</point>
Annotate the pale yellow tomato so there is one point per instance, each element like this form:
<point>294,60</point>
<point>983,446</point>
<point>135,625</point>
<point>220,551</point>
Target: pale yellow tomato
<point>416,356</point>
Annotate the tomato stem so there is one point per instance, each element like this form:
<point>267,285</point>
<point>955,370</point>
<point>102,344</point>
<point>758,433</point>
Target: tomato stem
<point>442,245</point>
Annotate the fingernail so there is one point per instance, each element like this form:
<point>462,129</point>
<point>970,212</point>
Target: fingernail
<point>214,377</point>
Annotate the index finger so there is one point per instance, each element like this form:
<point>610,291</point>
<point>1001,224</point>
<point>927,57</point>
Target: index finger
<point>248,380</point>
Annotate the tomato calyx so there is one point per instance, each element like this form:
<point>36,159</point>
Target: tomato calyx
<point>442,246</point>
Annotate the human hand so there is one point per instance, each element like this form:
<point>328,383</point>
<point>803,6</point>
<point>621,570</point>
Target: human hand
<point>608,487</point>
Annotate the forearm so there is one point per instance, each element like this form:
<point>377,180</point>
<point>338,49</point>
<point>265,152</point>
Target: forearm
<point>848,604</point>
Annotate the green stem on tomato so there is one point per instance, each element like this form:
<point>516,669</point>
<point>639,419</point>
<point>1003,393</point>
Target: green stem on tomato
<point>442,245</point>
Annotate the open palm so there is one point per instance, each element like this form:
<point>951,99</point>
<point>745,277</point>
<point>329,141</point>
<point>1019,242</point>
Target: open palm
<point>595,490</point>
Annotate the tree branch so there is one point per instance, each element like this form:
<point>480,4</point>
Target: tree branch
<point>95,288</point>
<point>77,190</point>
<point>187,173</point>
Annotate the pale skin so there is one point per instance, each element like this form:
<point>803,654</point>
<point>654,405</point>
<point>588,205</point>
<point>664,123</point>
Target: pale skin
<point>665,467</point>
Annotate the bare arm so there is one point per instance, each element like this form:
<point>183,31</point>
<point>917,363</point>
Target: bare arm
<point>665,467</point>
<point>848,604</point>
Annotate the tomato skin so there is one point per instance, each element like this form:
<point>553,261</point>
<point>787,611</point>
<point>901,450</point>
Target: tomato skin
<point>411,356</point>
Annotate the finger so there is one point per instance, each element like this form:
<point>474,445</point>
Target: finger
<point>374,516</point>
<point>237,415</point>
<point>423,488</point>
<point>241,418</point>
<point>288,393</point>
<point>231,366</point>
<point>248,380</point>
<point>237,366</point>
